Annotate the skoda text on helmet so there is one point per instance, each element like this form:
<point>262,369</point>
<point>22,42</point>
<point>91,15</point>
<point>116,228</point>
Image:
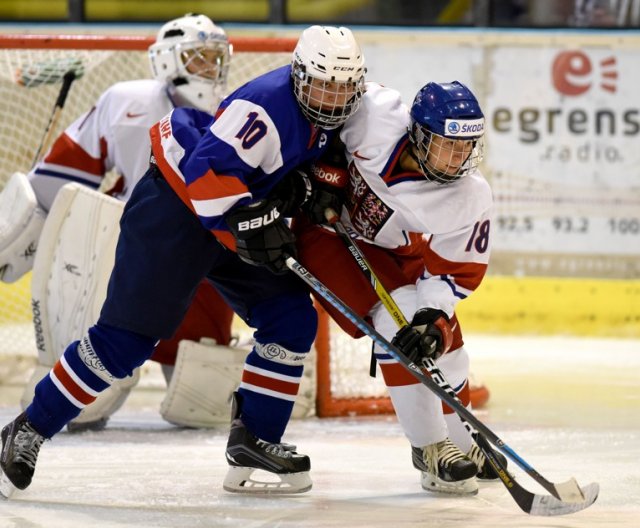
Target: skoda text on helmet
<point>446,130</point>
<point>328,75</point>
<point>192,54</point>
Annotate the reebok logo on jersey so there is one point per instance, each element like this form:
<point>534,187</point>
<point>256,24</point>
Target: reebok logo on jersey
<point>260,221</point>
<point>333,176</point>
<point>131,115</point>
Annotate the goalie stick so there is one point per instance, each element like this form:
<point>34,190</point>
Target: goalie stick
<point>66,70</point>
<point>67,79</point>
<point>565,498</point>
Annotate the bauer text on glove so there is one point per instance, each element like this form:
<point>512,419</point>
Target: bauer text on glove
<point>263,238</point>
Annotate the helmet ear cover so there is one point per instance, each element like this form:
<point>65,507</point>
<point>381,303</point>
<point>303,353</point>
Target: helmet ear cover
<point>446,131</point>
<point>328,75</point>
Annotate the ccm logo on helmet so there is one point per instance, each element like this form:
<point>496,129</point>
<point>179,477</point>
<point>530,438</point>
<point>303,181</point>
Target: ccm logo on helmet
<point>467,128</point>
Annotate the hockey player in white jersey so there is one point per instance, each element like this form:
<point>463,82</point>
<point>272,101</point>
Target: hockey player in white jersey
<point>415,198</point>
<point>189,62</point>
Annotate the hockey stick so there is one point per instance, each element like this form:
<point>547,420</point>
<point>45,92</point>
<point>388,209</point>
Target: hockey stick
<point>435,372</point>
<point>67,79</point>
<point>66,70</point>
<point>48,72</point>
<point>573,499</point>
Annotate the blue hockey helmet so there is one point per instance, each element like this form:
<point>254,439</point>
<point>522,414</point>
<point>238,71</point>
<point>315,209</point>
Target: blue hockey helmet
<point>446,130</point>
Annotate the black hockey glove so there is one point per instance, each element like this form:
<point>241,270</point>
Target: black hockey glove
<point>291,192</point>
<point>263,238</point>
<point>428,336</point>
<point>328,183</point>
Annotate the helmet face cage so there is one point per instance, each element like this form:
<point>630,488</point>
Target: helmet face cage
<point>445,159</point>
<point>446,131</point>
<point>192,54</point>
<point>208,60</point>
<point>328,75</point>
<point>325,103</point>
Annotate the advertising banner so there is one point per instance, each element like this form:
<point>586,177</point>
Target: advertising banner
<point>563,139</point>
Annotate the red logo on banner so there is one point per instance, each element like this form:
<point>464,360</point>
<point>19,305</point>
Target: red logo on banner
<point>572,73</point>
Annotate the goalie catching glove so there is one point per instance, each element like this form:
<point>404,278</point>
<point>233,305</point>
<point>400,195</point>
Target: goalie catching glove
<point>262,236</point>
<point>428,336</point>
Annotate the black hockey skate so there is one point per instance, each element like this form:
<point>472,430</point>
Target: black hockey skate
<point>485,469</point>
<point>20,447</point>
<point>445,468</point>
<point>247,453</point>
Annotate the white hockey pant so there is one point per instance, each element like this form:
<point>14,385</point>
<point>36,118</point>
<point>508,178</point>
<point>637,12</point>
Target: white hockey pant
<point>419,410</point>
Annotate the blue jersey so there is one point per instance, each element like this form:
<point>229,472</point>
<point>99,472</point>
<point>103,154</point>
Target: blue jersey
<point>258,135</point>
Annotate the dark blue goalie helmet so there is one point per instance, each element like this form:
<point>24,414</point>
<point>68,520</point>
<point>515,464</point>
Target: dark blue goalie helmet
<point>446,131</point>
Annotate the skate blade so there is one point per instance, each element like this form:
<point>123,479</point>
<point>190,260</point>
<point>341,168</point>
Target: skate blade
<point>6,487</point>
<point>460,487</point>
<point>243,480</point>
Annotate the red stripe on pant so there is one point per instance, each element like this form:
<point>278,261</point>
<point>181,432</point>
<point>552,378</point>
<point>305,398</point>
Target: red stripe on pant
<point>396,375</point>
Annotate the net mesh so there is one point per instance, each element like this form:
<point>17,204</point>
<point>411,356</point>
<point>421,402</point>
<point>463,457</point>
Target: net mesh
<point>30,81</point>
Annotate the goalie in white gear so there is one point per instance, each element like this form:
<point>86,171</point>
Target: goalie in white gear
<point>190,62</point>
<point>421,210</point>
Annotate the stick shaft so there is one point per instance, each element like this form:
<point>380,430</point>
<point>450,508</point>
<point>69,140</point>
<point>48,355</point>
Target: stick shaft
<point>417,372</point>
<point>50,129</point>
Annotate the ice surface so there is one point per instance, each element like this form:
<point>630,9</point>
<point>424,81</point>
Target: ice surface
<point>569,407</point>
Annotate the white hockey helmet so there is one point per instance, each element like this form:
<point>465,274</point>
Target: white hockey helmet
<point>192,55</point>
<point>328,75</point>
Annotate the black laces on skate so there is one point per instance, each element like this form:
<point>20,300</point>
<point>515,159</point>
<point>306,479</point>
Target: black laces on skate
<point>279,450</point>
<point>27,444</point>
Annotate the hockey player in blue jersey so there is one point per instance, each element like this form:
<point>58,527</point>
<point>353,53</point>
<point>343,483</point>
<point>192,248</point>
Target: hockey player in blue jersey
<point>205,208</point>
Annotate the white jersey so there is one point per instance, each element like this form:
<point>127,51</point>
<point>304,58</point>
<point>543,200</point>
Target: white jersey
<point>393,208</point>
<point>112,136</point>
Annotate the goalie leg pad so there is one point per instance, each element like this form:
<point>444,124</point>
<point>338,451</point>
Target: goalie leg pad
<point>70,277</point>
<point>204,378</point>
<point>72,267</point>
<point>21,222</point>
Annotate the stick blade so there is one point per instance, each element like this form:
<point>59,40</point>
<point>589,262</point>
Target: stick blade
<point>49,72</point>
<point>548,506</point>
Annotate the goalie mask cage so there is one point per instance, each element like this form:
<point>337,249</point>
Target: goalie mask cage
<point>343,386</point>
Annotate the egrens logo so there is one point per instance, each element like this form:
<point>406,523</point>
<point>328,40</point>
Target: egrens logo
<point>572,73</point>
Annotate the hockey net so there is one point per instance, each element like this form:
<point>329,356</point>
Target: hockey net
<point>342,382</point>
